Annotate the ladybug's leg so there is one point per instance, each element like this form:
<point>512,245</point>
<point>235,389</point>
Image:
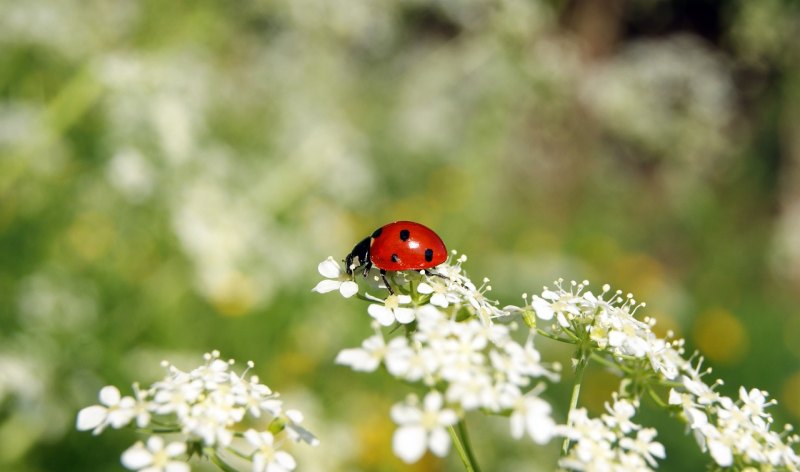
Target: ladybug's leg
<point>442,276</point>
<point>386,281</point>
<point>436,274</point>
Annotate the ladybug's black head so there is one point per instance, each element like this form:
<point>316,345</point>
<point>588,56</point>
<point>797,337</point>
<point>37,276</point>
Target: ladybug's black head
<point>360,254</point>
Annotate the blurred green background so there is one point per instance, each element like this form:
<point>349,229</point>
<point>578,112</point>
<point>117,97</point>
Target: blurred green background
<point>171,173</point>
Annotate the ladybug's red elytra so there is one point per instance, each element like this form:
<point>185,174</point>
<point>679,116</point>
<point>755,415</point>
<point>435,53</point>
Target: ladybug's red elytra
<point>402,245</point>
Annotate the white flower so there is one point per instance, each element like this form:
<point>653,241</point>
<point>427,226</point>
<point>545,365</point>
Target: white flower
<point>644,446</point>
<point>336,279</point>
<point>422,429</point>
<point>296,432</point>
<point>721,451</point>
<point>155,457</point>
<point>620,414</point>
<point>440,295</point>
<point>532,415</point>
<point>176,394</point>
<point>695,415</point>
<point>212,421</point>
<point>211,404</point>
<point>411,364</point>
<point>391,310</point>
<point>754,403</point>
<point>367,358</point>
<point>665,359</point>
<point>542,308</point>
<point>267,457</point>
<point>115,410</point>
<point>520,363</point>
<point>580,425</point>
<point>255,397</point>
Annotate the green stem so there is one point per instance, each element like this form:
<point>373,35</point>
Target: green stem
<point>654,396</point>
<point>583,361</point>
<point>461,441</point>
<point>610,364</point>
<point>462,431</point>
<point>547,335</point>
<point>214,457</point>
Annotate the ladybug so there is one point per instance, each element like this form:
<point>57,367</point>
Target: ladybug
<point>402,245</point>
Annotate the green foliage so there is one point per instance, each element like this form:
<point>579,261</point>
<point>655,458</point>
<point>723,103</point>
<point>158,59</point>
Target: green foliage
<point>171,173</point>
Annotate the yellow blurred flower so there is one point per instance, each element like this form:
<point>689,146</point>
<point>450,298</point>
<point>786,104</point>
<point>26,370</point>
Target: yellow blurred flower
<point>720,336</point>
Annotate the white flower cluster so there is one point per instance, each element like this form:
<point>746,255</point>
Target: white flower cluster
<point>734,433</point>
<point>613,442</point>
<point>452,347</point>
<point>609,323</point>
<point>207,408</point>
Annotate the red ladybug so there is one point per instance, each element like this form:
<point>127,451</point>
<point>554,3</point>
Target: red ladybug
<point>402,245</point>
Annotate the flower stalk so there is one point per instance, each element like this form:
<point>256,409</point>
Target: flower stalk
<point>580,367</point>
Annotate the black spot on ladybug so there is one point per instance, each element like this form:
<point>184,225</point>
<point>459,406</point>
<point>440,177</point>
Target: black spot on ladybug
<point>404,234</point>
<point>429,254</point>
<point>395,258</point>
<point>377,233</point>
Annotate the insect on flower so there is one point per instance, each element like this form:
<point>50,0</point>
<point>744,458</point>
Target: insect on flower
<point>397,246</point>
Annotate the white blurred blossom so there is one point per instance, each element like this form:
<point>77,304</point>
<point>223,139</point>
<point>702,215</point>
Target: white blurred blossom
<point>156,456</point>
<point>421,429</point>
<point>208,406</point>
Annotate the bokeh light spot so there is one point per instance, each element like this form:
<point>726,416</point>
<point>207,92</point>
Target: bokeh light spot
<point>720,336</point>
<point>790,394</point>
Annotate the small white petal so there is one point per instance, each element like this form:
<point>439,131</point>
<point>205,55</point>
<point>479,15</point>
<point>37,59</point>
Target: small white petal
<point>348,288</point>
<point>259,463</point>
<point>541,430</point>
<point>657,449</point>
<point>433,401</point>
<point>384,315</point>
<point>543,309</point>
<point>424,288</point>
<point>90,417</point>
<point>357,359</point>
<point>175,466</point>
<point>136,457</point>
<point>285,460</point>
<point>616,338</point>
<point>439,442</point>
<point>550,295</point>
<point>294,415</point>
<point>674,397</point>
<point>253,437</point>
<point>517,424</point>
<point>155,443</point>
<point>326,286</point>
<point>329,268</point>
<point>721,453</point>
<point>440,300</point>
<point>109,395</point>
<point>404,315</point>
<point>408,443</point>
<point>175,449</point>
<point>403,414</point>
<point>448,417</point>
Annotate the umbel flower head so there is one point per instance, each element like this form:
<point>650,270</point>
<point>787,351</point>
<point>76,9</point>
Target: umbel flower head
<point>210,409</point>
<point>466,353</point>
<point>735,433</point>
<point>453,348</point>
